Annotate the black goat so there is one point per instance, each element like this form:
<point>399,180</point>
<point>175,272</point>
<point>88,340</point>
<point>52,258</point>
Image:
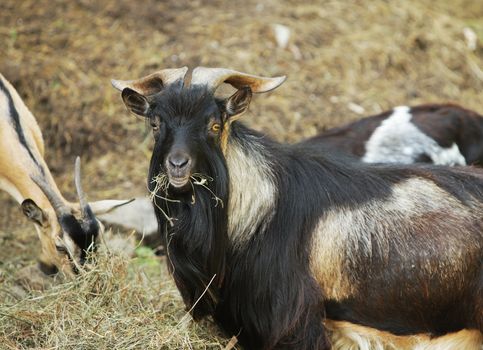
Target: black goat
<point>443,134</point>
<point>288,247</point>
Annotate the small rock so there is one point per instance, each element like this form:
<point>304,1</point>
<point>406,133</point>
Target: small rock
<point>470,37</point>
<point>356,108</point>
<point>282,35</point>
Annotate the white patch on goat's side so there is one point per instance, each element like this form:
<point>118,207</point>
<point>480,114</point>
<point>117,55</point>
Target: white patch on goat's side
<point>252,190</point>
<point>349,336</point>
<point>346,236</point>
<point>398,140</point>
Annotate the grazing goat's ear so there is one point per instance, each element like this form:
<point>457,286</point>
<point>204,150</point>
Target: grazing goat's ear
<point>238,103</point>
<point>135,102</point>
<point>32,211</point>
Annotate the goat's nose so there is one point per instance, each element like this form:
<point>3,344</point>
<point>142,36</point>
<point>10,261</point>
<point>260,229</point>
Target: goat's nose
<point>179,160</point>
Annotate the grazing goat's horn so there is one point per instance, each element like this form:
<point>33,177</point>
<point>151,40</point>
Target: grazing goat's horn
<point>57,203</point>
<point>214,77</point>
<point>78,186</point>
<point>152,83</point>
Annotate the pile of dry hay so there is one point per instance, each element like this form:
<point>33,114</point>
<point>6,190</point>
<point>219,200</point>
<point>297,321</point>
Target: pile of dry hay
<point>343,60</point>
<point>118,303</point>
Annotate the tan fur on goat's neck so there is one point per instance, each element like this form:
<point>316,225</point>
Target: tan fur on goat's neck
<point>252,189</point>
<point>225,132</point>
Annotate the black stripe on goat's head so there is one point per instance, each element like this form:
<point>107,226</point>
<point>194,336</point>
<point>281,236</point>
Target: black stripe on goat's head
<point>77,236</point>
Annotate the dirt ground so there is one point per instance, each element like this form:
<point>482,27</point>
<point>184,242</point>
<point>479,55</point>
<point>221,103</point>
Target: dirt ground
<point>344,60</point>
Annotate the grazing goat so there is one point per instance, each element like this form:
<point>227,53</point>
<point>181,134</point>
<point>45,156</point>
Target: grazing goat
<point>442,134</point>
<point>25,176</point>
<point>289,247</point>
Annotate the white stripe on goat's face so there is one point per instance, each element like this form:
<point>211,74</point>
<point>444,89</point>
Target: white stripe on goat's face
<point>252,191</point>
<point>398,140</point>
<point>347,237</point>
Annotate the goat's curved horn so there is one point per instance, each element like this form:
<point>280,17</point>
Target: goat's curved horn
<point>214,77</point>
<point>78,186</point>
<point>57,203</point>
<point>152,83</point>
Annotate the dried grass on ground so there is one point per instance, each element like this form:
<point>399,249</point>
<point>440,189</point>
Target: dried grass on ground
<point>118,304</point>
<point>345,59</point>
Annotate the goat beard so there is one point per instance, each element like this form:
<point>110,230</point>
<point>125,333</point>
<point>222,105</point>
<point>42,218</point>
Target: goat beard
<point>194,230</point>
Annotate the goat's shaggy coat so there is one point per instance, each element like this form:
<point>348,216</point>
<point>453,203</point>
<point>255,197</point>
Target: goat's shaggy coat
<point>303,245</point>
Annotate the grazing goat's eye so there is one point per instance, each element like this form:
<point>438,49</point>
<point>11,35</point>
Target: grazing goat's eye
<point>215,127</point>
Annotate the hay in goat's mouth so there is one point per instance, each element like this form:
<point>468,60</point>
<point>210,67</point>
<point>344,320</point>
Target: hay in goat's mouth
<point>202,180</point>
<point>161,182</point>
<point>161,186</point>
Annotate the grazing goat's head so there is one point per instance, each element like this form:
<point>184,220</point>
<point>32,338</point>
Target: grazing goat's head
<point>74,225</point>
<point>190,126</point>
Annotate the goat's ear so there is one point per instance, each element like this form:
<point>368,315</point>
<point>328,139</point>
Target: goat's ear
<point>238,103</point>
<point>32,211</point>
<point>135,102</point>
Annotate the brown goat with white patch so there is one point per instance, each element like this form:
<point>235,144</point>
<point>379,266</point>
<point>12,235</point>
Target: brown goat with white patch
<point>443,134</point>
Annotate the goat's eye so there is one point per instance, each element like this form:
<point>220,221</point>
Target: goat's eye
<point>215,127</point>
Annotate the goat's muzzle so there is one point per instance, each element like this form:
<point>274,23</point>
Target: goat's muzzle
<point>178,166</point>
